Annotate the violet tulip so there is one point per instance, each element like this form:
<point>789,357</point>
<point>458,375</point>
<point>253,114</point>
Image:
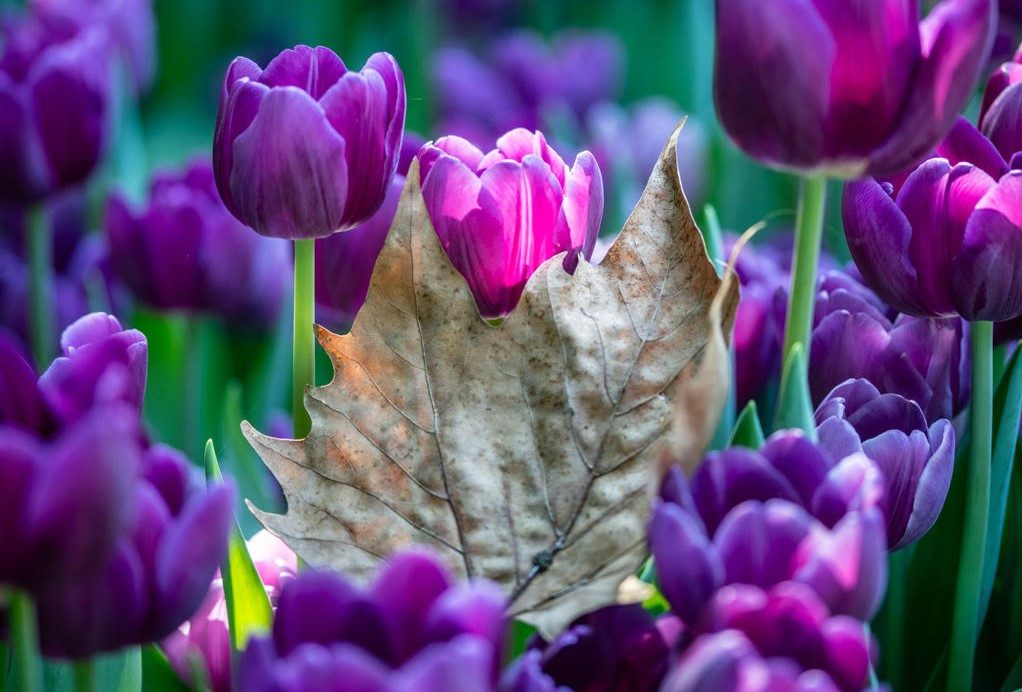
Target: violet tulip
<point>946,241</point>
<point>916,459</point>
<point>184,251</point>
<point>822,88</point>
<point>54,97</point>
<point>475,201</point>
<point>307,147</point>
<point>1002,108</point>
<point>159,573</point>
<point>412,629</point>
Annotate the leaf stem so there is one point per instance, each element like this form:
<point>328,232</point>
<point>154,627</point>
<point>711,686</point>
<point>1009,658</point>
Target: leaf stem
<point>808,237</point>
<point>84,675</point>
<point>39,243</point>
<point>26,674</point>
<point>303,354</point>
<point>965,627</point>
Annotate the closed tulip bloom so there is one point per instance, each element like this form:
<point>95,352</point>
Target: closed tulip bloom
<point>412,629</point>
<point>54,96</point>
<point>499,216</point>
<point>821,86</point>
<point>307,147</point>
<point>946,243</point>
<point>1002,108</point>
<point>184,251</point>
<point>157,577</point>
<point>916,459</point>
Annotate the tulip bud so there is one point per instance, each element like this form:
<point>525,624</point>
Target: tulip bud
<point>306,147</point>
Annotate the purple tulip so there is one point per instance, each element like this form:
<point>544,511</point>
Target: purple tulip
<point>64,504</point>
<point>345,261</point>
<point>919,358</point>
<point>916,460</point>
<point>1002,108</point>
<point>475,202</point>
<point>945,241</point>
<point>412,629</point>
<point>777,639</point>
<point>159,573</point>
<point>817,86</point>
<point>54,95</point>
<point>22,404</point>
<point>306,147</point>
<point>130,25</point>
<point>185,251</point>
<point>616,648</point>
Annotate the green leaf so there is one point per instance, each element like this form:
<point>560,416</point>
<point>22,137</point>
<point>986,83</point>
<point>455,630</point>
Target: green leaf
<point>714,238</point>
<point>747,431</point>
<point>794,404</point>
<point>116,672</point>
<point>248,607</point>
<point>1007,411</point>
<point>157,673</point>
<point>242,463</point>
<point>521,633</point>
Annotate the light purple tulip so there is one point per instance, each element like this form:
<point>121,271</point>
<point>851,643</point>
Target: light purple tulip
<point>307,147</point>
<point>478,204</point>
<point>822,86</point>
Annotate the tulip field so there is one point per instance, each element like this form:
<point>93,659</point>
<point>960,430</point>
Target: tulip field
<point>510,346</point>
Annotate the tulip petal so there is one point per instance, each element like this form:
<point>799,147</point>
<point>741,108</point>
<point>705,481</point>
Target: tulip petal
<point>688,568</point>
<point>758,542</point>
<point>726,479</point>
<point>239,105</point>
<point>965,144</point>
<point>409,586</point>
<point>582,210</point>
<point>313,70</point>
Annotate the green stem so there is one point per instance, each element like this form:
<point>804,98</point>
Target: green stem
<point>84,675</point>
<point>303,354</point>
<point>965,627</point>
<point>894,639</point>
<point>39,242</point>
<point>808,237</point>
<point>26,673</point>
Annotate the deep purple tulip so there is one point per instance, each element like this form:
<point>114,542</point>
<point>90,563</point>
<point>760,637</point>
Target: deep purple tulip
<point>64,504</point>
<point>777,639</point>
<point>919,358</point>
<point>475,202</point>
<point>184,251</point>
<point>130,24</point>
<point>818,86</point>
<point>22,404</point>
<point>916,460</point>
<point>1002,108</point>
<point>54,94</point>
<point>159,573</point>
<point>617,648</point>
<point>306,147</point>
<point>345,261</point>
<point>412,629</point>
<point>945,241</point>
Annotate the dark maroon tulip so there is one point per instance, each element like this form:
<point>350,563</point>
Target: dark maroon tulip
<point>821,86</point>
<point>184,251</point>
<point>54,94</point>
<point>412,629</point>
<point>916,460</point>
<point>307,147</point>
<point>130,24</point>
<point>65,504</point>
<point>922,359</point>
<point>778,639</point>
<point>156,579</point>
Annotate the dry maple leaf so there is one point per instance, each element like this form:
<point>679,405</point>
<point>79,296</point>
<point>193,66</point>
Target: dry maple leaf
<point>521,453</point>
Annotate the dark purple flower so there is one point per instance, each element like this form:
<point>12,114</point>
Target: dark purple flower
<point>412,629</point>
<point>64,504</point>
<point>345,261</point>
<point>916,460</point>
<point>159,573</point>
<point>54,94</point>
<point>307,147</point>
<point>499,216</point>
<point>1002,108</point>
<point>22,404</point>
<point>817,85</point>
<point>946,240</point>
<point>619,648</point>
<point>919,358</point>
<point>130,25</point>
<point>184,251</point>
<point>782,638</point>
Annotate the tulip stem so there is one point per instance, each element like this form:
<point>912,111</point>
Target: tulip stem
<point>84,675</point>
<point>965,627</point>
<point>808,237</point>
<point>303,354</point>
<point>26,673</point>
<point>39,244</point>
